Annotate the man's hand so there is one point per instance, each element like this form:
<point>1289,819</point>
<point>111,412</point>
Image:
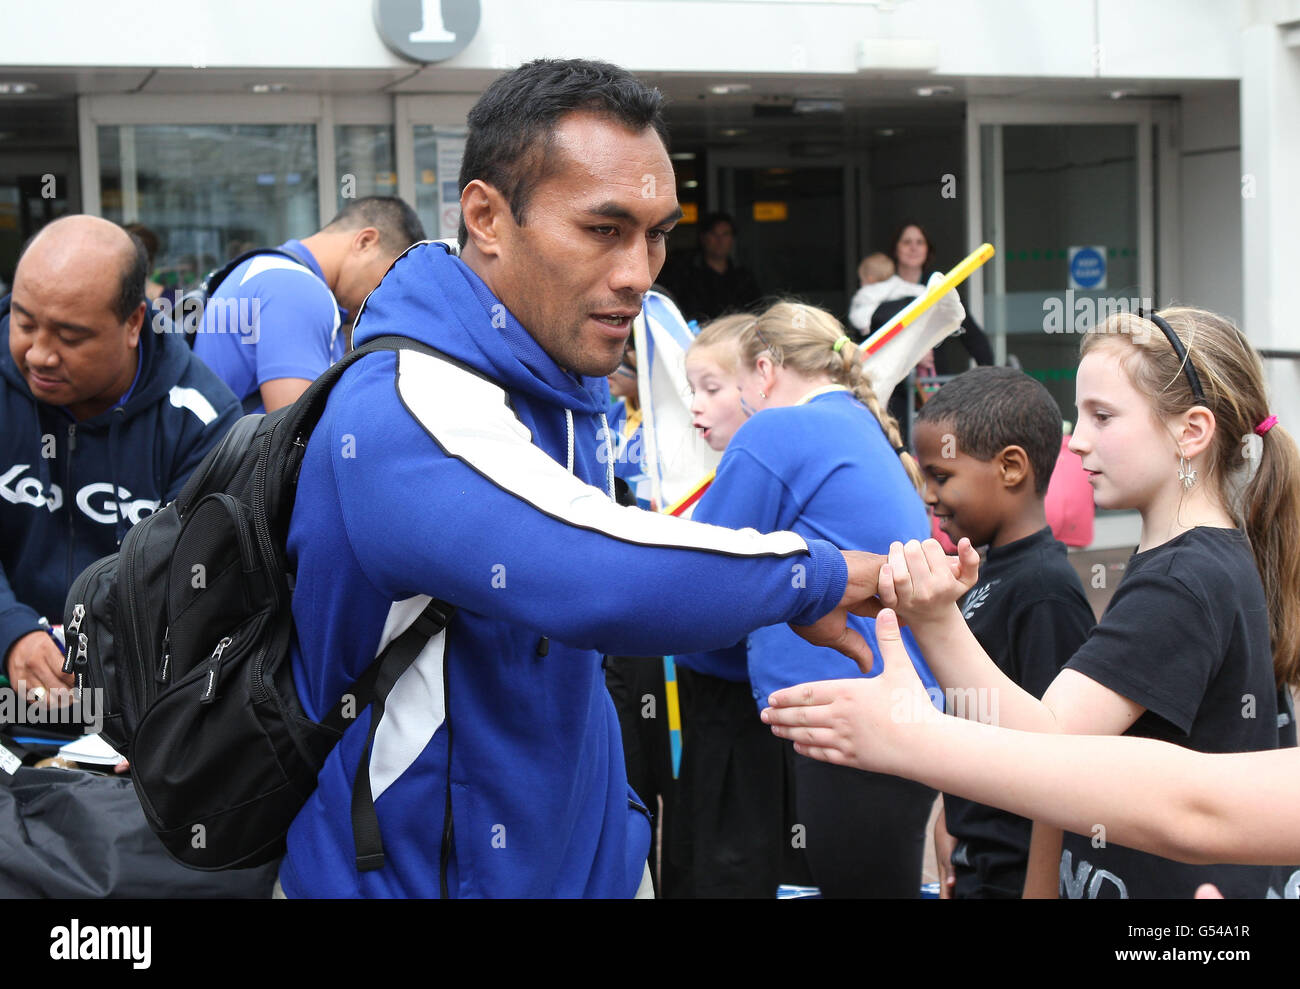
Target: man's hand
<point>921,582</point>
<point>868,590</point>
<point>35,662</point>
<point>832,629</point>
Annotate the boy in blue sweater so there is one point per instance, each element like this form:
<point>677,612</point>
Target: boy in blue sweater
<point>987,443</point>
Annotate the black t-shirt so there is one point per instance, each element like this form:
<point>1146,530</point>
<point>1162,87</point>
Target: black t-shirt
<point>1030,614</point>
<point>1187,637</point>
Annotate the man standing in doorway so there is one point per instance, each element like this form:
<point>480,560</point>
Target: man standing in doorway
<point>711,283</point>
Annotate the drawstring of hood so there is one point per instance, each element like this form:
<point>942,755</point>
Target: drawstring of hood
<point>568,422</point>
<point>609,461</point>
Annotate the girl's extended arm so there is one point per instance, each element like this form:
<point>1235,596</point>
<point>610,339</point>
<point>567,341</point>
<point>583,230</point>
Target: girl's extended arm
<point>1149,795</point>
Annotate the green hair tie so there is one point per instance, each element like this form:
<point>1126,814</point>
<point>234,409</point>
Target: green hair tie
<point>840,343</point>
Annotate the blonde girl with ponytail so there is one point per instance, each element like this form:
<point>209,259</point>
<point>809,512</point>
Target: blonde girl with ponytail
<point>818,455</point>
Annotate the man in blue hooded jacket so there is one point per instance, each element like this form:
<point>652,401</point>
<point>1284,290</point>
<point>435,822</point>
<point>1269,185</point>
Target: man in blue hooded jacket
<point>102,419</point>
<point>478,477</point>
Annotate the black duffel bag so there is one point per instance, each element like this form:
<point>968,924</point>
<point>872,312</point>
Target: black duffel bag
<point>71,834</point>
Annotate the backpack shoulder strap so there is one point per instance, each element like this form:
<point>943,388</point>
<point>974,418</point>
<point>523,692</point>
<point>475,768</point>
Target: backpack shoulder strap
<point>219,275</point>
<point>309,407</point>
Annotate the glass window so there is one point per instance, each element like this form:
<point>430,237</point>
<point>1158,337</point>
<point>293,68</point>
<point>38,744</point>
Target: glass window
<point>437,178</point>
<point>209,191</point>
<point>364,160</point>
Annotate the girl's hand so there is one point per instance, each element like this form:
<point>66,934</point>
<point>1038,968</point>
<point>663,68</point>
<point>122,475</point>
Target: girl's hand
<point>922,583</point>
<point>861,722</point>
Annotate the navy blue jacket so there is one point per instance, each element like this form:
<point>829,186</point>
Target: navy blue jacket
<point>58,509</point>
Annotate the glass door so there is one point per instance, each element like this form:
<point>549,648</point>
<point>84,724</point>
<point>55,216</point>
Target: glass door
<point>1068,204</point>
<point>795,221</point>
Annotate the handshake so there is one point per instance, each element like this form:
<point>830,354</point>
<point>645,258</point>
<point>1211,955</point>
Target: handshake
<point>917,580</point>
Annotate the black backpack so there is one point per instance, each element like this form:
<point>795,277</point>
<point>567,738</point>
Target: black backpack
<point>186,631</point>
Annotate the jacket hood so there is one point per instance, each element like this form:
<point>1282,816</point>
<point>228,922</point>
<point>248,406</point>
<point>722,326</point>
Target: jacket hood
<point>163,360</point>
<point>435,298</point>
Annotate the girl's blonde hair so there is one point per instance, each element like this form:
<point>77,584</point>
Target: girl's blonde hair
<point>813,343</point>
<point>1257,477</point>
<point>724,330</point>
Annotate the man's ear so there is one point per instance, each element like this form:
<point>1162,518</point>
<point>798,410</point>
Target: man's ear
<point>1197,432</point>
<point>364,239</point>
<point>1013,466</point>
<point>134,322</point>
<point>486,214</point>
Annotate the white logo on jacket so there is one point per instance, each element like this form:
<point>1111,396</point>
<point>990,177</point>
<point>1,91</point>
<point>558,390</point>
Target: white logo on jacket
<point>19,490</point>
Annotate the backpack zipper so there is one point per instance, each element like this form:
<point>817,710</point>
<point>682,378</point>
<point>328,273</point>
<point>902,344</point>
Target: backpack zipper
<point>139,693</point>
<point>214,671</point>
<point>167,655</point>
<point>74,626</point>
<point>261,526</point>
<point>83,659</point>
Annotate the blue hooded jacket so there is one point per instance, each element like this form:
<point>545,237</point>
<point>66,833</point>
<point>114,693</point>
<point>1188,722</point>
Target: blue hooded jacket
<point>58,510</point>
<point>497,769</point>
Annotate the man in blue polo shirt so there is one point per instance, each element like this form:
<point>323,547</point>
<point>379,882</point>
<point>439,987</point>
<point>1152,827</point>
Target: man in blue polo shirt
<point>273,324</point>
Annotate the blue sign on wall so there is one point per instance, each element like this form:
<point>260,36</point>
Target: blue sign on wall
<point>1087,267</point>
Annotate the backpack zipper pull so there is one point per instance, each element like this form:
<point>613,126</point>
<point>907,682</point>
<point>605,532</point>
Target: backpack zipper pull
<point>74,627</point>
<point>81,660</point>
<point>210,690</point>
<point>166,655</point>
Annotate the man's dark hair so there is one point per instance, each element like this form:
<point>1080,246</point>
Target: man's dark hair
<point>398,225</point>
<point>711,220</point>
<point>510,144</point>
<point>147,237</point>
<point>135,272</point>
<point>992,408</point>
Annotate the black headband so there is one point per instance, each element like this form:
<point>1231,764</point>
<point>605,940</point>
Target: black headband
<point>1193,379</point>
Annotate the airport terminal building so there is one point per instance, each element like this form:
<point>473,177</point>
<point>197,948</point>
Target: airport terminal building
<point>1142,151</point>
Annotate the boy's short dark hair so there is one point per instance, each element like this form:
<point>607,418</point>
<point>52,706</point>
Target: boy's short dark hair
<point>992,408</point>
<point>512,126</point>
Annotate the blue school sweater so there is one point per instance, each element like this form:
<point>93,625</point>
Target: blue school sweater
<point>825,470</point>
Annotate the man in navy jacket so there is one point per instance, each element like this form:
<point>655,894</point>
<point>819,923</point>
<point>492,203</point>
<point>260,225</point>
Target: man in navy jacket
<point>104,414</point>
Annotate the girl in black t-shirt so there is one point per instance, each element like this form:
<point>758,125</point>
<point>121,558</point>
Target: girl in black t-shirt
<point>1205,626</point>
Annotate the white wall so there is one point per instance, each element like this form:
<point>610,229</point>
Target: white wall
<point>1064,38</point>
<point>1210,203</point>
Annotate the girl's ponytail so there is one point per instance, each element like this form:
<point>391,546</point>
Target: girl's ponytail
<point>1269,512</point>
<point>856,379</point>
